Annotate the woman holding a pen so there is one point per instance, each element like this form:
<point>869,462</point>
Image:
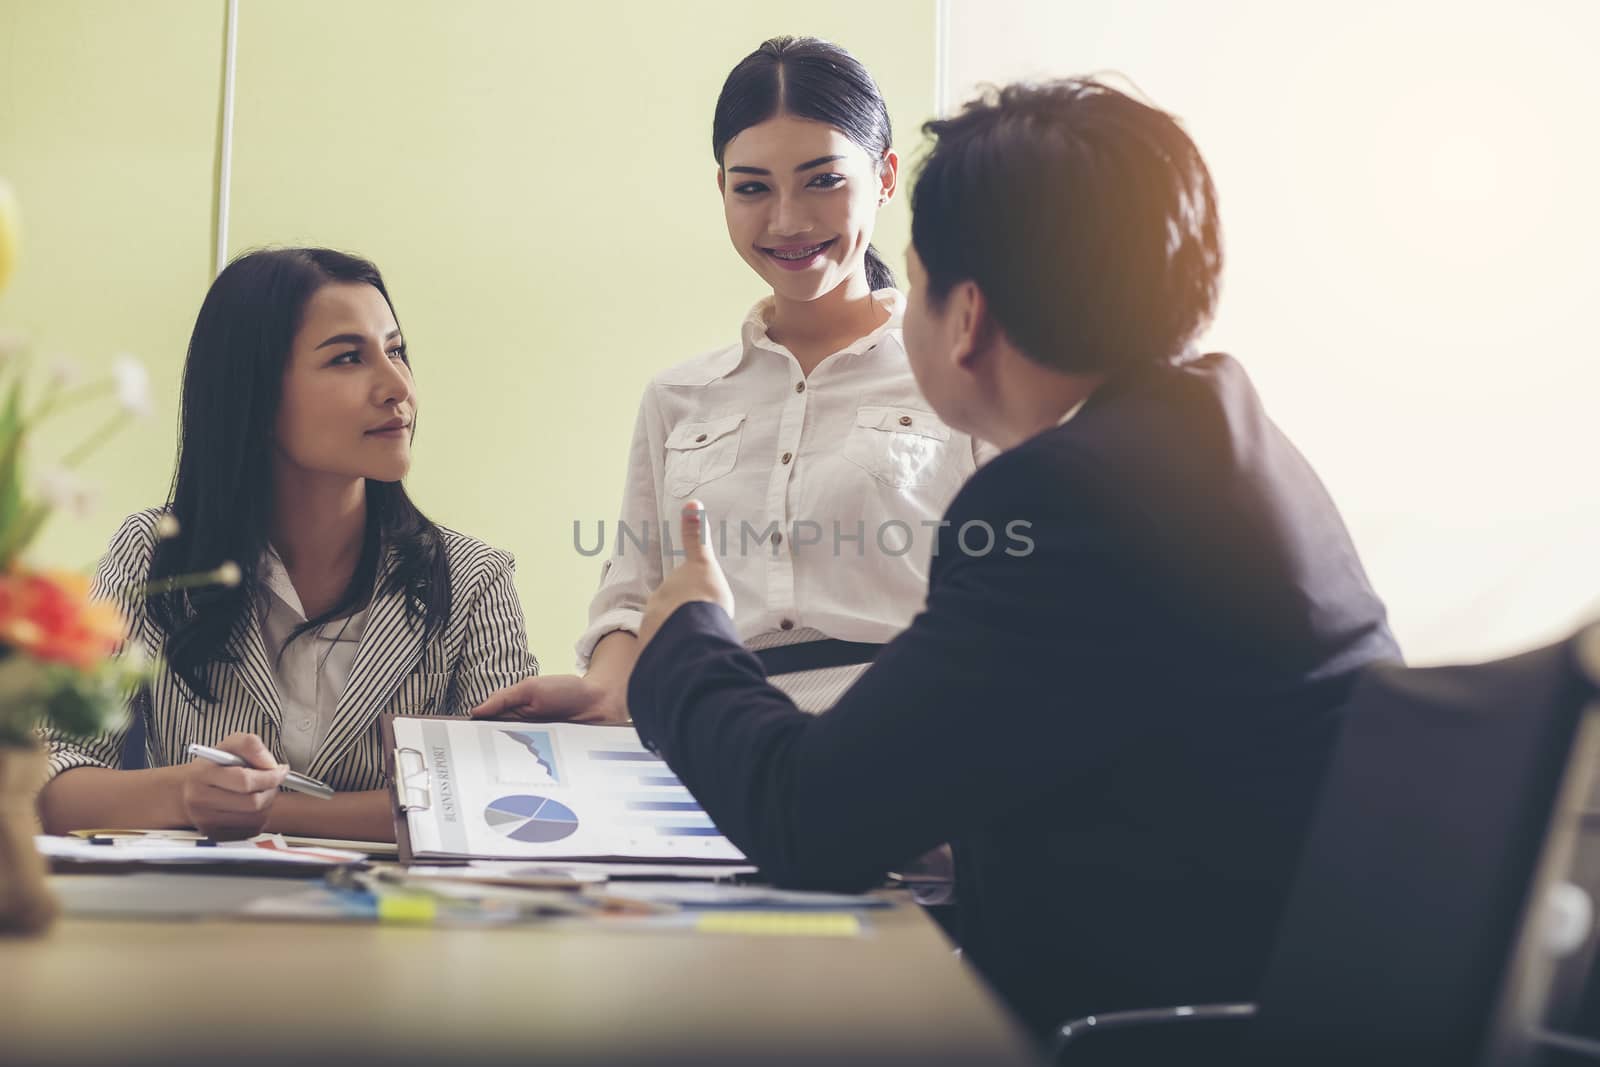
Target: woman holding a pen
<point>335,602</point>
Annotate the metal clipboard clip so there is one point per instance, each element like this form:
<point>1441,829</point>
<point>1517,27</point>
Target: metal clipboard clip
<point>412,780</point>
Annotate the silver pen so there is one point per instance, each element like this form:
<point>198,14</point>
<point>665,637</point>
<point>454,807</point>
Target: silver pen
<point>300,783</point>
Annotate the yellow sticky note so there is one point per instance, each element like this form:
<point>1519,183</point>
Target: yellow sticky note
<point>406,908</point>
<point>779,923</point>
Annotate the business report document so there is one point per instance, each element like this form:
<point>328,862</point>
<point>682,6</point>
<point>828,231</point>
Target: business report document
<point>482,789</point>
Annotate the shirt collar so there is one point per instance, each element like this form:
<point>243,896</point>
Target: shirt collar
<point>753,334</point>
<point>275,577</point>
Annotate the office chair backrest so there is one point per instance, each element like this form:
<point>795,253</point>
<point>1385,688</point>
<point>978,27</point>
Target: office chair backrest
<point>1409,936</point>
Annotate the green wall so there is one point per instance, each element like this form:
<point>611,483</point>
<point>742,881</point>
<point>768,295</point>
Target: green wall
<point>108,129</point>
<point>534,179</point>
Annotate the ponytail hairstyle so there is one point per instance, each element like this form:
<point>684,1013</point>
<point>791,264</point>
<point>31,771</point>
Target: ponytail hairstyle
<point>809,79</point>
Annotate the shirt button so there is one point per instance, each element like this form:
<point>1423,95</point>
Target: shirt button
<point>777,539</point>
<point>787,456</point>
<point>305,724</point>
<point>702,437</point>
<point>786,624</point>
<point>799,387</point>
<point>905,420</point>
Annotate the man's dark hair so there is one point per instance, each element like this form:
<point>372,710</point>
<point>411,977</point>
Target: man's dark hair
<point>1087,218</point>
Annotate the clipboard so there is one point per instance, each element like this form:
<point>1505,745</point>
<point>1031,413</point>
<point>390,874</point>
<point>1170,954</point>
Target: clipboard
<point>412,789</point>
<point>397,806</point>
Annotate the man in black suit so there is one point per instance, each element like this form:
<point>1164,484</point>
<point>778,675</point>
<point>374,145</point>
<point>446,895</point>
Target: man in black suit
<point>1141,616</point>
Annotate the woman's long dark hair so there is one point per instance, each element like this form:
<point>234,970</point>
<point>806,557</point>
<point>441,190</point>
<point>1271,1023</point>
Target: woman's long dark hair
<point>809,79</point>
<point>222,488</point>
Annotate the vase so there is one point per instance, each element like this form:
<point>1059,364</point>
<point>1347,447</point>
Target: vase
<point>26,904</point>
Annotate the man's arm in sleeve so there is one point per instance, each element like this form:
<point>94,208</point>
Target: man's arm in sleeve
<point>1002,690</point>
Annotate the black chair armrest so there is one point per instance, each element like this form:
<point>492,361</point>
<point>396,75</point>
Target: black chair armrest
<point>1063,1049</point>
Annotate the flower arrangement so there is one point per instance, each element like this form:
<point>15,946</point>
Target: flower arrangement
<point>59,667</point>
<point>57,664</point>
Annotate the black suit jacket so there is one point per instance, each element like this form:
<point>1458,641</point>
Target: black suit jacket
<point>1119,726</point>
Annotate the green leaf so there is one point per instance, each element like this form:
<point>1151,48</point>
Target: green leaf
<point>77,712</point>
<point>11,435</point>
<point>24,684</point>
<point>19,534</point>
<point>23,679</point>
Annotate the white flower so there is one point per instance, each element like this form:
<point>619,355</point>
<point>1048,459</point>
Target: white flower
<point>133,384</point>
<point>12,344</point>
<point>65,491</point>
<point>63,373</point>
<point>228,574</point>
<point>167,526</point>
<point>57,486</point>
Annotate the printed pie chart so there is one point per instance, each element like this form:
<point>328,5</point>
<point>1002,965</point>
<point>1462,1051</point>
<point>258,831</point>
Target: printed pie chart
<point>536,820</point>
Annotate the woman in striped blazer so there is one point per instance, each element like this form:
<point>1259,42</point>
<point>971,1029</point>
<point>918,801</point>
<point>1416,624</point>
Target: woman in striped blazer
<point>347,604</point>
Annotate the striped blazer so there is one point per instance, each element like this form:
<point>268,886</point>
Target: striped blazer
<point>484,647</point>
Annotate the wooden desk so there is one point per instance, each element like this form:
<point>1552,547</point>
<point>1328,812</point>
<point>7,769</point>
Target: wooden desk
<point>303,995</point>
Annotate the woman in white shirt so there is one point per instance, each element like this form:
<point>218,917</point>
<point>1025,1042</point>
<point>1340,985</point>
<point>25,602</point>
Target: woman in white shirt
<point>297,418</point>
<point>823,471</point>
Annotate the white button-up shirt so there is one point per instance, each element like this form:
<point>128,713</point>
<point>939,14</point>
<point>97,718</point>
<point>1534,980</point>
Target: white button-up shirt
<point>313,671</point>
<point>823,494</point>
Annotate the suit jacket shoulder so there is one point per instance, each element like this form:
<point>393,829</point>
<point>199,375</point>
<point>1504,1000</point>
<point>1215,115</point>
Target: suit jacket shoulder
<point>471,561</point>
<point>1174,477</point>
<point>133,545</point>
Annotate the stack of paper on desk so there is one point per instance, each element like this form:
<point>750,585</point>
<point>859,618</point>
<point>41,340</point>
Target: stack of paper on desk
<point>592,871</point>
<point>162,852</point>
<point>370,849</point>
<point>479,789</point>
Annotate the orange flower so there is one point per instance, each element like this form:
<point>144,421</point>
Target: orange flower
<point>50,617</point>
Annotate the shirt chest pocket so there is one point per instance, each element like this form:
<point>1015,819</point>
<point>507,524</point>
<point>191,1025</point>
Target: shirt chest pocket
<point>900,447</point>
<point>700,452</point>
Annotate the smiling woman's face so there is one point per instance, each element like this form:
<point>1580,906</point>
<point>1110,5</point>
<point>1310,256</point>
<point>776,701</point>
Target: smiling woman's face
<point>348,400</point>
<point>801,200</point>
